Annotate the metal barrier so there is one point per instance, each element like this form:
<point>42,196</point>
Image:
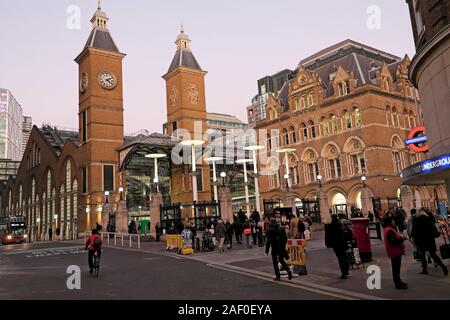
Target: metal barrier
<point>121,238</point>
<point>296,251</point>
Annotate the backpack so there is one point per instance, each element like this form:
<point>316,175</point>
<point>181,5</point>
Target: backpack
<point>97,243</point>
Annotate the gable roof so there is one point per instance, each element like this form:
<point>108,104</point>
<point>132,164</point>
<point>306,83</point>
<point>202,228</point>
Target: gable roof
<point>57,138</point>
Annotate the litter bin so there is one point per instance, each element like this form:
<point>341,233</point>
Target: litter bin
<point>361,232</point>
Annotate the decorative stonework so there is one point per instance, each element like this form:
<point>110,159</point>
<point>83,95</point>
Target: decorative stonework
<point>193,94</point>
<point>173,97</point>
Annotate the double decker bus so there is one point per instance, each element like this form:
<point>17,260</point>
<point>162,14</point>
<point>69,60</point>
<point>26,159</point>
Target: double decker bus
<point>13,230</point>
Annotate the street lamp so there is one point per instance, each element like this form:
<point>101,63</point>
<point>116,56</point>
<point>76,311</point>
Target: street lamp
<point>214,160</point>
<point>156,156</point>
<point>255,171</point>
<point>319,178</point>
<point>247,200</point>
<point>286,161</point>
<point>121,193</point>
<point>363,179</point>
<point>193,144</point>
<point>106,196</point>
<point>223,175</point>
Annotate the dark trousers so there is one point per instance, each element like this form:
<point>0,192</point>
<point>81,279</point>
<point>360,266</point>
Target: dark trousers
<point>278,258</point>
<point>158,236</point>
<point>433,255</point>
<point>239,238</point>
<point>255,238</point>
<point>343,263</point>
<point>248,241</point>
<point>396,266</point>
<point>91,256</point>
<point>230,241</point>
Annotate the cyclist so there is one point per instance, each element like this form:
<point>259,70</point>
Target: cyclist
<point>94,244</point>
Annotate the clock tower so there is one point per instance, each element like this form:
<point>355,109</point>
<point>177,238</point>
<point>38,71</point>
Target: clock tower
<point>101,130</point>
<point>185,90</point>
<point>186,112</point>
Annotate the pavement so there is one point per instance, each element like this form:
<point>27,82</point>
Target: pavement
<point>38,271</point>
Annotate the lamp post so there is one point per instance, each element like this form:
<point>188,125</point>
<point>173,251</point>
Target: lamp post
<point>193,144</point>
<point>247,200</point>
<point>106,196</point>
<point>363,179</point>
<point>254,149</point>
<point>286,162</point>
<point>213,160</point>
<point>223,175</point>
<point>155,157</point>
<point>319,178</point>
<point>121,193</point>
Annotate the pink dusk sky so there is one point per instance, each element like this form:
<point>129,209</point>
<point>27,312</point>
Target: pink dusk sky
<point>237,42</point>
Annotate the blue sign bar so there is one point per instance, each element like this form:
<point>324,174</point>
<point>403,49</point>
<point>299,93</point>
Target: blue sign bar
<point>421,139</point>
<point>427,166</point>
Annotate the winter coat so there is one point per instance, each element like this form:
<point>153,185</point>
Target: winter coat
<point>294,232</point>
<point>422,233</point>
<point>276,239</point>
<point>339,236</point>
<point>220,231</point>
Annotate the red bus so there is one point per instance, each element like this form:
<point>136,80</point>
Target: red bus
<point>13,230</point>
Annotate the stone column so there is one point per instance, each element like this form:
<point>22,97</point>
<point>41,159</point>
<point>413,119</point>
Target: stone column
<point>155,212</point>
<point>288,200</point>
<point>366,202</point>
<point>226,208</point>
<point>325,215</point>
<point>106,210</point>
<point>407,199</point>
<point>122,217</point>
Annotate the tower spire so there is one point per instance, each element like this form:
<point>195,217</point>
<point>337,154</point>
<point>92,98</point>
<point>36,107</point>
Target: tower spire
<point>183,41</point>
<point>100,19</point>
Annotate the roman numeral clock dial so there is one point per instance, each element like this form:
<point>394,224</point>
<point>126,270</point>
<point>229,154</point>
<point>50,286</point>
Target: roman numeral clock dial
<point>107,80</point>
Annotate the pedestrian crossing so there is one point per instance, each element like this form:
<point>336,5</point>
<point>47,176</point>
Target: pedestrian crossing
<point>47,252</point>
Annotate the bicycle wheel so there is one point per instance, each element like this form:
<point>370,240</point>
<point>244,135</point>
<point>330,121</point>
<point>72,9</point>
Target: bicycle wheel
<point>96,265</point>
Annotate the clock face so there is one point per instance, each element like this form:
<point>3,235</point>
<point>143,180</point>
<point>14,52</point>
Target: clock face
<point>107,80</point>
<point>83,82</point>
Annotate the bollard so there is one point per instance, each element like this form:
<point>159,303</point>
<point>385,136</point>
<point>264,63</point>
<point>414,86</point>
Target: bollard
<point>107,235</point>
<point>139,242</point>
<point>115,239</point>
<point>130,240</point>
<point>122,239</point>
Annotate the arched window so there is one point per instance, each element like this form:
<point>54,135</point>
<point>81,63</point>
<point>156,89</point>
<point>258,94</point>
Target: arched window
<point>312,129</point>
<point>297,103</point>
<point>333,169</point>
<point>311,99</point>
<point>340,89</point>
<point>75,209</point>
<point>398,155</point>
<point>358,121</point>
<point>395,118</point>
<point>406,119</point>
<point>356,162</point>
<point>310,166</point>
<point>269,142</point>
<point>285,137</point>
<point>274,173</point>
<point>304,102</point>
<point>325,127</point>
<point>33,205</point>
<point>20,206</point>
<point>293,134</point>
<point>304,131</point>
<point>334,126</point>
<point>62,207</point>
<point>389,116</point>
<point>412,119</point>
<point>348,120</point>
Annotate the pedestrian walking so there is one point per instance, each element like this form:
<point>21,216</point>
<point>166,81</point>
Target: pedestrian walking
<point>276,239</point>
<point>339,238</point>
<point>50,234</point>
<point>229,234</point>
<point>220,233</point>
<point>238,230</point>
<point>242,216</point>
<point>254,232</point>
<point>260,231</point>
<point>293,228</point>
<point>158,232</point>
<point>424,233</point>
<point>395,249</point>
<point>301,228</point>
<point>248,233</point>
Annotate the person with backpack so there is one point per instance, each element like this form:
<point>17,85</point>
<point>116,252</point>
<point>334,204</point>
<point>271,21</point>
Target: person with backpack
<point>248,233</point>
<point>276,239</point>
<point>93,244</point>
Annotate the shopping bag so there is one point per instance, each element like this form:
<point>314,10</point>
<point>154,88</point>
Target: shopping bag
<point>445,251</point>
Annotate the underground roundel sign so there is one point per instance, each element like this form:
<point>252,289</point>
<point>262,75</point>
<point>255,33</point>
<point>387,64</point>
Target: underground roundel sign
<point>417,140</point>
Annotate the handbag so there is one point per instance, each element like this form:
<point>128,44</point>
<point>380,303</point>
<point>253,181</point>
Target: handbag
<point>247,231</point>
<point>436,233</point>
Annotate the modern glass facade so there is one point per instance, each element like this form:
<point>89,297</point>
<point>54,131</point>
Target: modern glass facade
<point>139,180</point>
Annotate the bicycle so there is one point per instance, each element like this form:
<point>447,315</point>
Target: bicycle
<point>96,264</point>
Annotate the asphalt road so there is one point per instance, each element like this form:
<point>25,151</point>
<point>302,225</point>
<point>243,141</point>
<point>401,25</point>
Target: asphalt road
<point>38,271</point>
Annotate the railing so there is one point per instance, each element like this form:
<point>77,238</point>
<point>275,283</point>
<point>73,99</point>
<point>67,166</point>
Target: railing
<point>121,238</point>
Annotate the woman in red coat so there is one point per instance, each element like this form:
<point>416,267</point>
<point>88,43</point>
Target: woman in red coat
<point>395,249</point>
